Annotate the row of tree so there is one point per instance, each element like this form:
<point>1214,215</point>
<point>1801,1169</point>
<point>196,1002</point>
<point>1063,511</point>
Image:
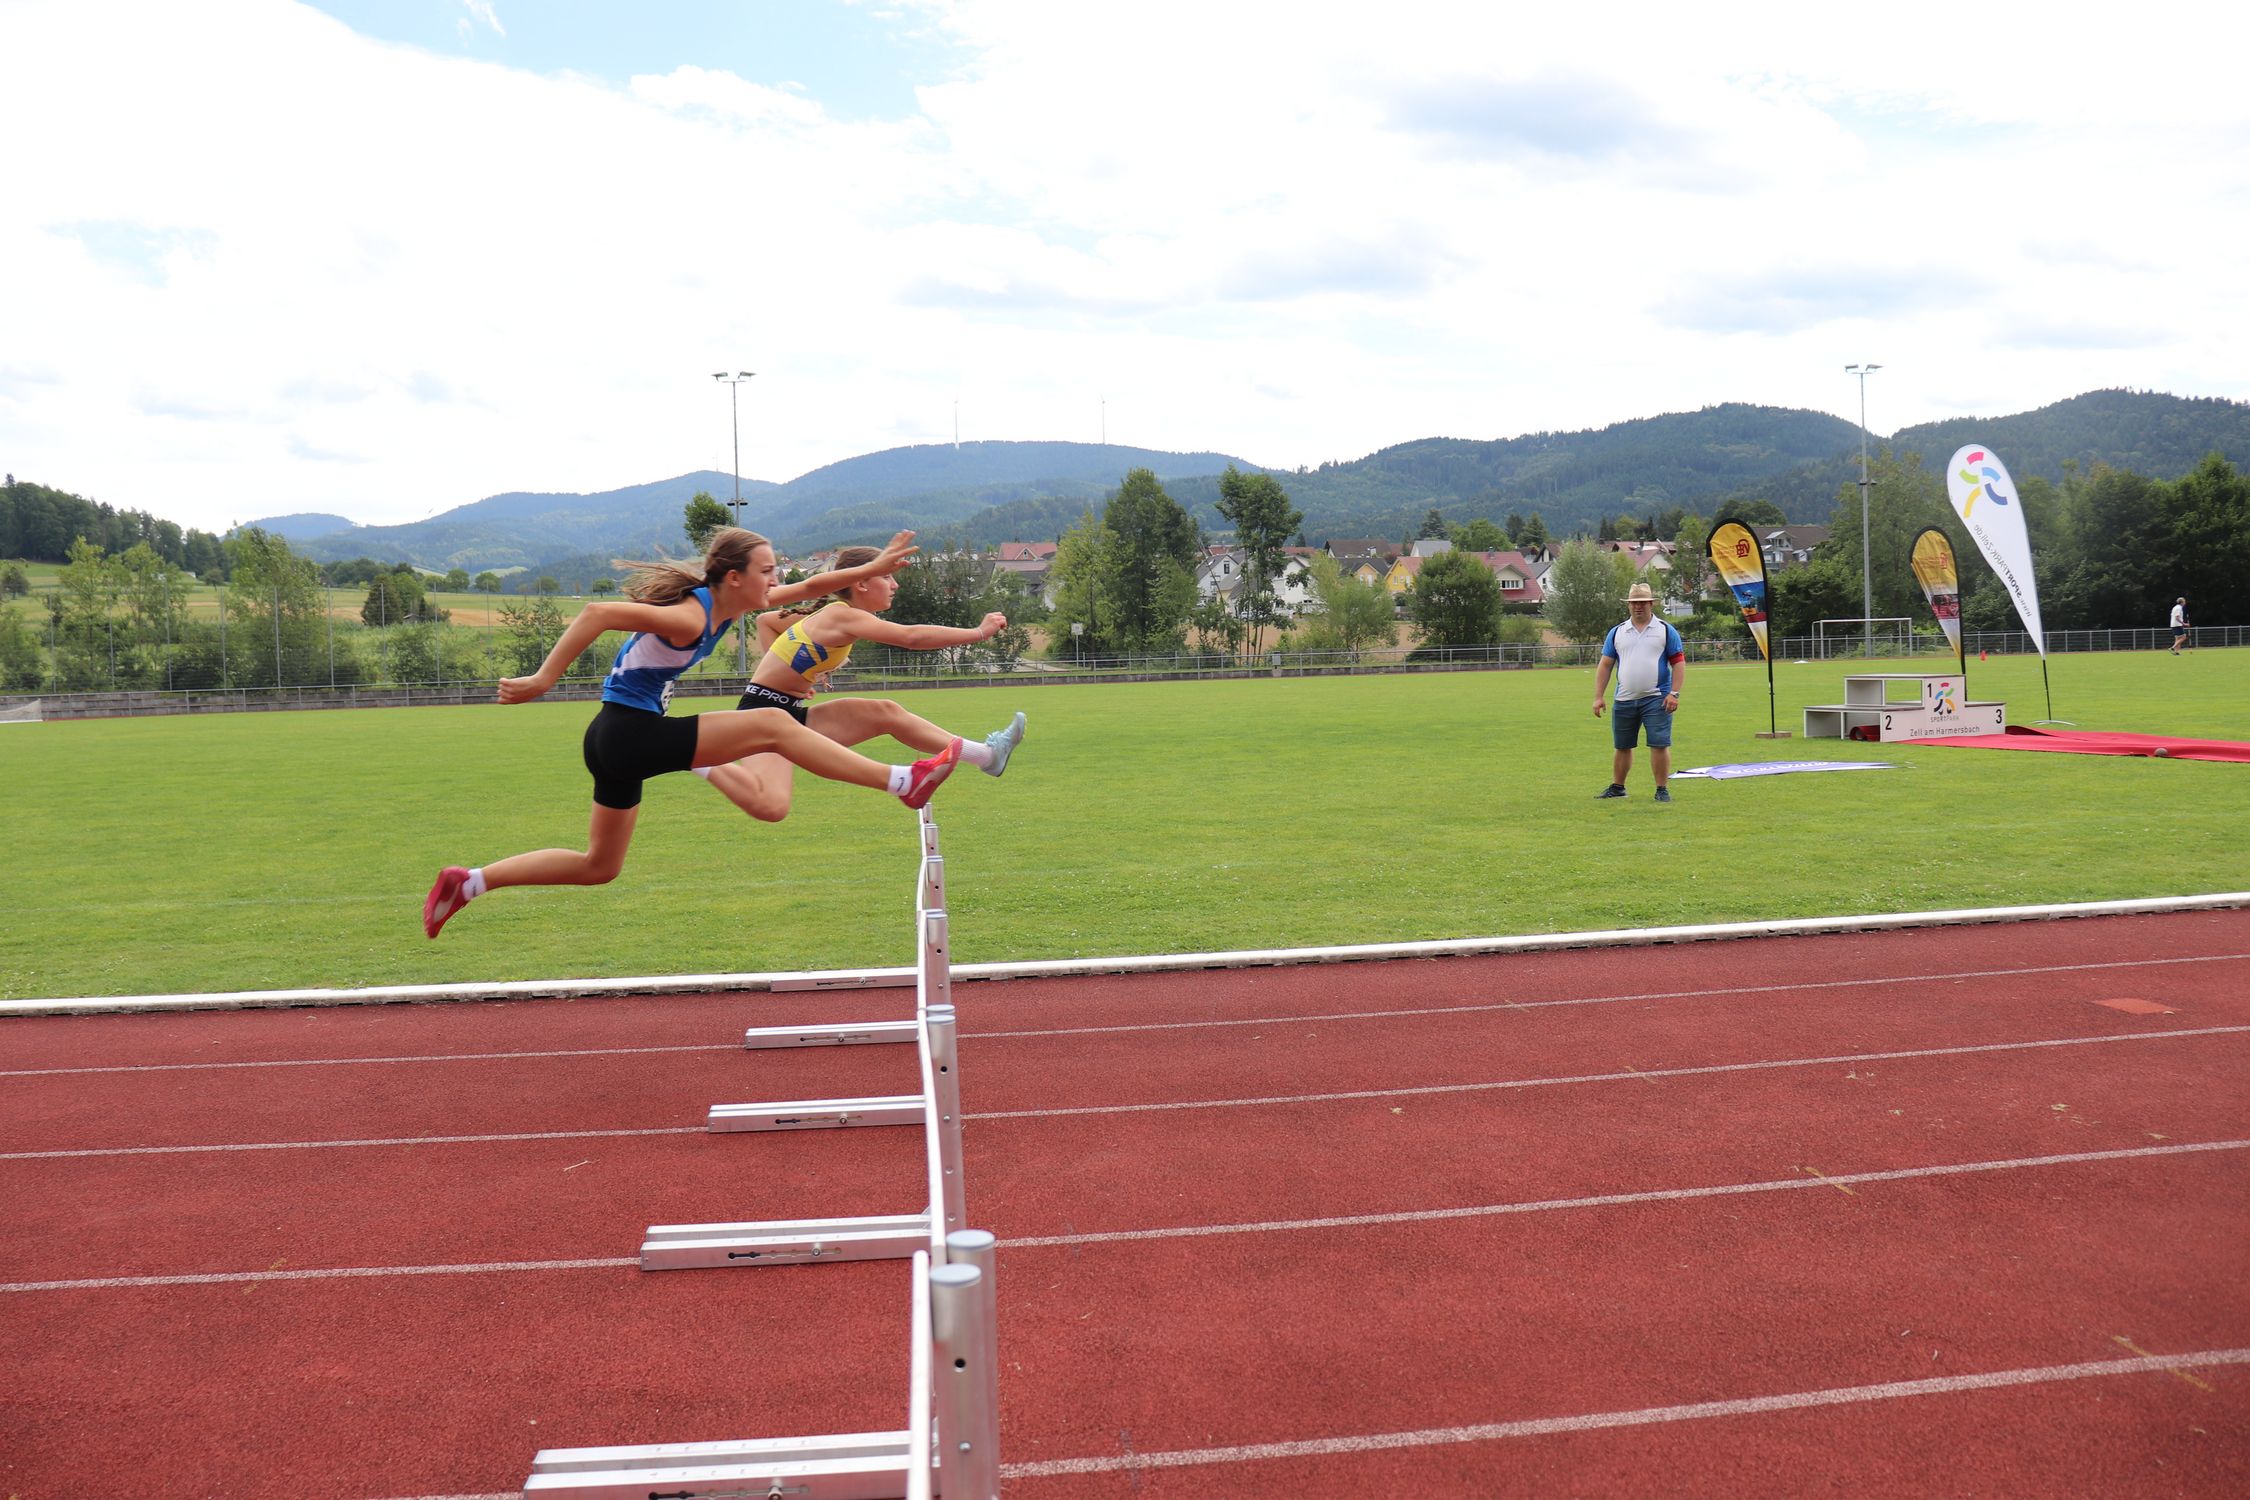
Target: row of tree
<point>122,621</point>
<point>39,524</point>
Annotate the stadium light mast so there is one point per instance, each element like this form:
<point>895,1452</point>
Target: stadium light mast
<point>734,394</point>
<point>1866,567</point>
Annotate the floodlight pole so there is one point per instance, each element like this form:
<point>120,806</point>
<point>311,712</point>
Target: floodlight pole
<point>1866,567</point>
<point>734,396</point>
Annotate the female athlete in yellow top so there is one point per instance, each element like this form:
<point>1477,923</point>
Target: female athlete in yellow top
<point>803,647</point>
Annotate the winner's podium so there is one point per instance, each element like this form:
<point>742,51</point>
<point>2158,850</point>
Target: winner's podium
<point>1940,708</point>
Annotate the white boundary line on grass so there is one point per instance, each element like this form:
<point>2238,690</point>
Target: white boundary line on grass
<point>704,984</point>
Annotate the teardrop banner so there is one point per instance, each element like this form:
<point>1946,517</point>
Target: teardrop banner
<point>1985,498</point>
<point>1735,553</point>
<point>1934,568</point>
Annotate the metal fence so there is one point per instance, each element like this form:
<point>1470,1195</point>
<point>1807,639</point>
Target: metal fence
<point>971,668</point>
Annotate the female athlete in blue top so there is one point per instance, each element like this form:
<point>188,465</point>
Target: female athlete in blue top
<point>677,613</point>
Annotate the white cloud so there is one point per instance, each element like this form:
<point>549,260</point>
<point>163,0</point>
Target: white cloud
<point>482,10</point>
<point>289,268</point>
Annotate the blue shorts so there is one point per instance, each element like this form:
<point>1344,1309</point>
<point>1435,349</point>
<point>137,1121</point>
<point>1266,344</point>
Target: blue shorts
<point>1629,716</point>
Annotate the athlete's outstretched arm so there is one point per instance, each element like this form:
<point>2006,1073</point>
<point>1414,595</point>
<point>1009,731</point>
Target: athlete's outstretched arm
<point>674,622</point>
<point>892,558</point>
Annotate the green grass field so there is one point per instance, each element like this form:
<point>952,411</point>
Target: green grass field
<point>247,851</point>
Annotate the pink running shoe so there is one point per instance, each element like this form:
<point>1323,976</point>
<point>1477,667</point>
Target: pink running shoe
<point>445,898</point>
<point>927,774</point>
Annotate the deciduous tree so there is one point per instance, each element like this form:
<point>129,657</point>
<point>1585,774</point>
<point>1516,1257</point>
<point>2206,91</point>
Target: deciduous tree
<point>1455,601</point>
<point>1263,519</point>
<point>1586,590</point>
<point>703,515</point>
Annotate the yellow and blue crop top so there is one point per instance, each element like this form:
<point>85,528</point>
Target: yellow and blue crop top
<point>803,655</point>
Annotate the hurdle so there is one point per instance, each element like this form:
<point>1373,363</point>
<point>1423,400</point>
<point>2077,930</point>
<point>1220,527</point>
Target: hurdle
<point>937,1108</point>
<point>950,1446</point>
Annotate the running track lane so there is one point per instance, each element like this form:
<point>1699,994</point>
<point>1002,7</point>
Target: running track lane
<point>1393,1271</point>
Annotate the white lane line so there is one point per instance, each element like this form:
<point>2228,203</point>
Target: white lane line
<point>1277,1226</point>
<point>1640,1075</point>
<point>1744,1406</point>
<point>1739,989</point>
<point>1614,1200</point>
<point>333,1273</point>
<point>344,1062</point>
<point>404,1140</point>
<point>1290,1020</point>
<point>1637,1075</point>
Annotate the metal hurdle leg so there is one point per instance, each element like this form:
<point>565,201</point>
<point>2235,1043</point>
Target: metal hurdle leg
<point>929,892</point>
<point>933,965</point>
<point>963,1313</point>
<point>945,1123</point>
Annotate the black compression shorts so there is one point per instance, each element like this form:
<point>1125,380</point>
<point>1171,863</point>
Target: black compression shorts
<point>626,746</point>
<point>756,696</point>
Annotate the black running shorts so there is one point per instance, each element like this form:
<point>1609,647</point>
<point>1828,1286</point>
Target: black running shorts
<point>626,746</point>
<point>757,696</point>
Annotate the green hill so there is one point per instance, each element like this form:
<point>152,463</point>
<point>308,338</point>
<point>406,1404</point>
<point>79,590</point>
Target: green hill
<point>981,493</point>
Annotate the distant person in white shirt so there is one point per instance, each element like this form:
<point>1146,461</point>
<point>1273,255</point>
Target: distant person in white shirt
<point>1649,660</point>
<point>2179,625</point>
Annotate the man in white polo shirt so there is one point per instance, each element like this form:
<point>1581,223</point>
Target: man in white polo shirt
<point>1650,662</point>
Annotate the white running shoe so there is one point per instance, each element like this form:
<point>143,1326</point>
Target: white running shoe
<point>1002,743</point>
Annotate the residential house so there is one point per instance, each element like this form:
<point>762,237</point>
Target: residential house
<point>1219,575</point>
<point>1429,546</point>
<point>1522,582</point>
<point>1646,556</point>
<point>1790,546</point>
<point>1367,559</point>
<point>1029,561</point>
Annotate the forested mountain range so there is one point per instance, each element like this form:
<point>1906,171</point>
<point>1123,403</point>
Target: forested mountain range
<point>980,493</point>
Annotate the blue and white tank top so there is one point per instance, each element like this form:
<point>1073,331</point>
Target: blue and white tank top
<point>647,665</point>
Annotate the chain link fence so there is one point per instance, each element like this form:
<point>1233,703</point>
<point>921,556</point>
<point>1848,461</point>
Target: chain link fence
<point>241,662</point>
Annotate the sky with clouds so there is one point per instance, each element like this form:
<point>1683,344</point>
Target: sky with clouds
<point>383,257</point>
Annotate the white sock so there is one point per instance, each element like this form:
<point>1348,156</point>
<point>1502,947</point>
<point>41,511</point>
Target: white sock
<point>976,753</point>
<point>473,887</point>
<point>703,771</point>
<point>902,780</point>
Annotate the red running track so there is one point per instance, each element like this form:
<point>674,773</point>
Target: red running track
<point>1907,1213</point>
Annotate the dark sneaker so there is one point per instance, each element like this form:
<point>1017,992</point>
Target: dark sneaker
<point>1613,790</point>
<point>445,899</point>
<point>1663,794</point>
<point>928,773</point>
<point>1002,743</point>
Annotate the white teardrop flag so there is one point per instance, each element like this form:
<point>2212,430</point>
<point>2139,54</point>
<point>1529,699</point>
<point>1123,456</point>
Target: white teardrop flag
<point>1985,499</point>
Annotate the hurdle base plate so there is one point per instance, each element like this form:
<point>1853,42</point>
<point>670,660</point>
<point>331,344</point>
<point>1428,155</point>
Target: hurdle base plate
<point>817,1114</point>
<point>784,1242</point>
<point>847,1466</point>
<point>843,1034</point>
